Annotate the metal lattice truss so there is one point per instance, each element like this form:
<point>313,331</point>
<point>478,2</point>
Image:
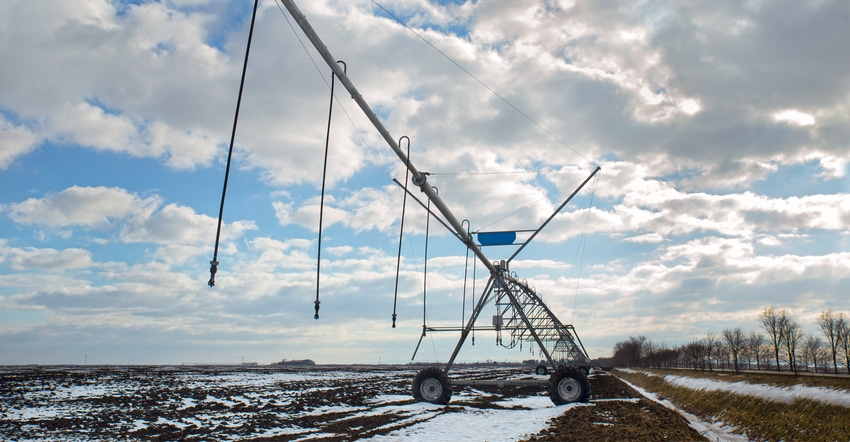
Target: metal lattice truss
<point>524,317</point>
<point>521,311</point>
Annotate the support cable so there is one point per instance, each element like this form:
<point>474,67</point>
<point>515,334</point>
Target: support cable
<point>425,280</point>
<point>552,216</point>
<point>425,269</point>
<point>479,81</point>
<point>214,262</point>
<point>341,104</point>
<point>583,247</point>
<point>465,273</point>
<point>401,227</point>
<point>435,215</point>
<point>417,177</point>
<point>324,180</point>
<point>474,267</point>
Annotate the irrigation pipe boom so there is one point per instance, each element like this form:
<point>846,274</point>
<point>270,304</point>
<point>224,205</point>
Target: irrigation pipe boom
<point>418,178</point>
<point>522,312</point>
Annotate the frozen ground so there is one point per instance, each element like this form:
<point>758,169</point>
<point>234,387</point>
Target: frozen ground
<point>271,403</point>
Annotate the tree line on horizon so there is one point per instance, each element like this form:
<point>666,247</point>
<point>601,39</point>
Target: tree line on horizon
<point>782,345</point>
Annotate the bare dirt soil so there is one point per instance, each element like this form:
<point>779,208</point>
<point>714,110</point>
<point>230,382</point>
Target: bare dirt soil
<point>609,419</point>
<point>281,404</point>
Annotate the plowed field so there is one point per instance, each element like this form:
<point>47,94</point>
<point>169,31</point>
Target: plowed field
<point>321,403</point>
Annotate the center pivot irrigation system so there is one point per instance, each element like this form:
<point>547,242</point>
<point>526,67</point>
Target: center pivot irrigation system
<point>521,313</point>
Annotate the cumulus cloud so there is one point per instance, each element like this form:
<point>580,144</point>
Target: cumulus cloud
<point>137,218</point>
<point>89,207</point>
<point>365,209</point>
<point>15,140</point>
<point>31,258</point>
<point>92,127</point>
<point>107,97</point>
<point>794,116</point>
<point>175,224</point>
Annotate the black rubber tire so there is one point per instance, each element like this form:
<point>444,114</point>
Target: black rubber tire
<point>432,385</point>
<point>568,385</point>
<point>540,370</point>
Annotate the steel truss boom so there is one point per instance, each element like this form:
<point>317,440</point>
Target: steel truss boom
<point>524,315</point>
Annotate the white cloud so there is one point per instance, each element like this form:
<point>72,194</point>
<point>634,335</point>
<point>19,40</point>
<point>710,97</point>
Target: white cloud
<point>118,73</point>
<point>89,207</point>
<point>646,238</point>
<point>172,224</point>
<point>188,149</point>
<point>139,219</point>
<point>90,126</point>
<point>795,117</point>
<point>15,140</point>
<point>46,259</point>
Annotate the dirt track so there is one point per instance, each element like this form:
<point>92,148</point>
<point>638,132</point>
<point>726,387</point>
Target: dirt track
<point>158,403</point>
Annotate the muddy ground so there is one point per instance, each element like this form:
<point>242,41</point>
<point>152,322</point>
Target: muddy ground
<point>281,404</point>
<point>618,413</point>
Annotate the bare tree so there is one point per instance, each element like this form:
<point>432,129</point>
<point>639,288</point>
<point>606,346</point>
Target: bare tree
<point>755,342</point>
<point>628,353</point>
<point>667,356</point>
<point>658,355</point>
<point>648,354</point>
<point>696,352</point>
<point>724,355</point>
<point>793,335</point>
<point>736,341</point>
<point>771,322</point>
<point>712,348</point>
<point>844,336</point>
<point>822,358</point>
<point>811,347</point>
<point>828,323</point>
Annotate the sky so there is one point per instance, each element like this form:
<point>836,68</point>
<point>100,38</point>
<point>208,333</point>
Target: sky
<point>721,130</point>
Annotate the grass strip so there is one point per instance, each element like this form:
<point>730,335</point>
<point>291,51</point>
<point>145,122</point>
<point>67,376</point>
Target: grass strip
<point>758,419</point>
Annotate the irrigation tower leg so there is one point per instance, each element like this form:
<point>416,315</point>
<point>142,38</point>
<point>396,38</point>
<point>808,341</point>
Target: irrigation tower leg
<point>482,301</point>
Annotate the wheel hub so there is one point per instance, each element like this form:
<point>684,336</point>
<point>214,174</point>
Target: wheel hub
<point>569,389</point>
<point>431,389</point>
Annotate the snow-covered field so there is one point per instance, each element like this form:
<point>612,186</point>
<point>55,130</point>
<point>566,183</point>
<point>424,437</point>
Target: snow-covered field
<point>235,403</point>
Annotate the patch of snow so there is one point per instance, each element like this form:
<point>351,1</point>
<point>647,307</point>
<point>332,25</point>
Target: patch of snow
<point>30,413</point>
<point>388,398</point>
<point>761,391</point>
<point>161,420</point>
<point>225,402</point>
<point>187,403</point>
<point>318,411</point>
<point>193,421</point>
<point>533,402</point>
<point>466,423</point>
